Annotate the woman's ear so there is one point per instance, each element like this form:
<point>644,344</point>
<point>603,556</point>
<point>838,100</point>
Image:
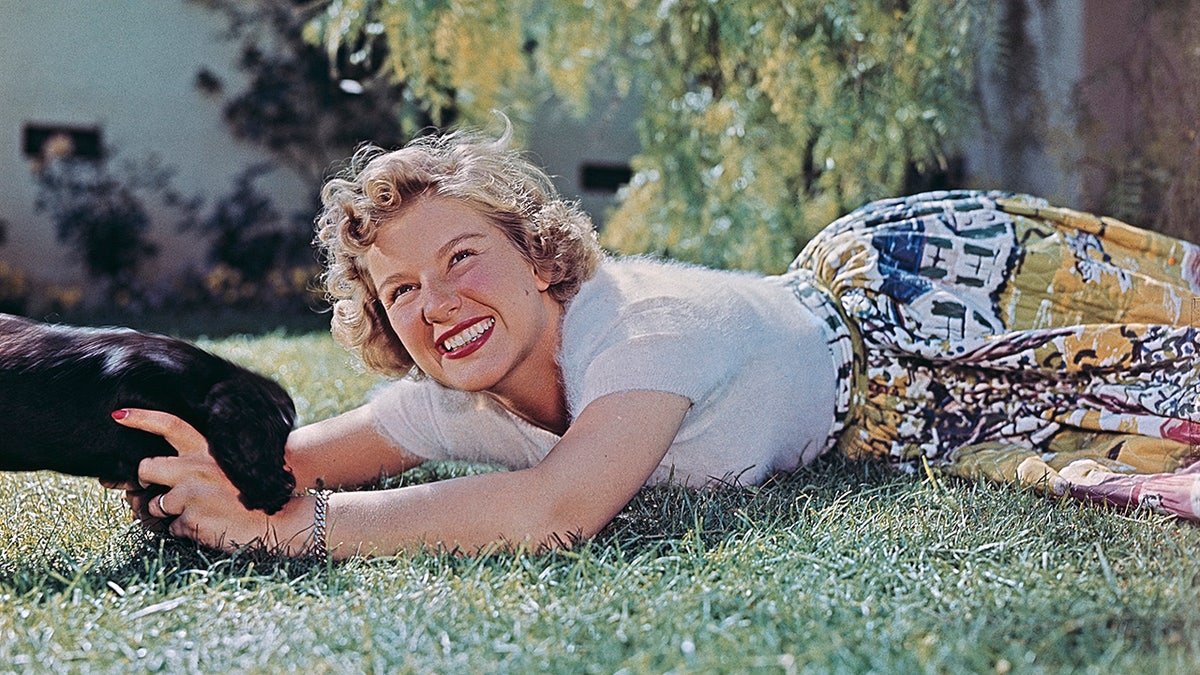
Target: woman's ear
<point>543,279</point>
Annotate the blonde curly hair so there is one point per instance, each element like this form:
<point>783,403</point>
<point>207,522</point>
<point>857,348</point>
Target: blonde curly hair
<point>487,174</point>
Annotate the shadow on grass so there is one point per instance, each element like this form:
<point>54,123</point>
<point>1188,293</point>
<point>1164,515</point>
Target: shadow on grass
<point>668,513</point>
<point>137,558</point>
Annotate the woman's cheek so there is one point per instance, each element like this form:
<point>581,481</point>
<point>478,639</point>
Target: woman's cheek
<point>415,335</point>
<point>404,323</point>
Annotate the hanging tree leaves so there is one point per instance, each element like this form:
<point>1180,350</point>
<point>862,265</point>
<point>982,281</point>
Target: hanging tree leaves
<point>762,120</point>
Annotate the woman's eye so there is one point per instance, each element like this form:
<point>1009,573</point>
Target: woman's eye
<point>461,256</point>
<point>401,291</point>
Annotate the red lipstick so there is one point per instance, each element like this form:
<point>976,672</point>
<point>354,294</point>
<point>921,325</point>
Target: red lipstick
<point>470,347</point>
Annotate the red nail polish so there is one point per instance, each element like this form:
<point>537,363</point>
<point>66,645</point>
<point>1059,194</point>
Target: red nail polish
<point>120,414</point>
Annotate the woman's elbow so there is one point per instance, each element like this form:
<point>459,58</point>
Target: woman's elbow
<point>566,518</point>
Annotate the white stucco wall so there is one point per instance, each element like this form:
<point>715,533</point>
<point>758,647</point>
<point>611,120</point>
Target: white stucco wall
<point>127,67</point>
<point>563,144</point>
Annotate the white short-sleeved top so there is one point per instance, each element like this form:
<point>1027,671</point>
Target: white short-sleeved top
<point>752,360</point>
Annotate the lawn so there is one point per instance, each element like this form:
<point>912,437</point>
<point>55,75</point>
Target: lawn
<point>840,567</point>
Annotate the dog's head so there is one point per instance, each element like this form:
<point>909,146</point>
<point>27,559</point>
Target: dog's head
<point>249,419</point>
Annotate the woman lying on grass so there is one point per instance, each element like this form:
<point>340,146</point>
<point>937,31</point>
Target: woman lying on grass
<point>987,334</point>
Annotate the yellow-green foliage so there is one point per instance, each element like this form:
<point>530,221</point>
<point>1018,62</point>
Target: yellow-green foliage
<point>762,119</point>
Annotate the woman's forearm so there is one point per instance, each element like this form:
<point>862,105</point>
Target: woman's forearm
<point>465,515</point>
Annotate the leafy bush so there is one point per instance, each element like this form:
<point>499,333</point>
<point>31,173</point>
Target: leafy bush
<point>14,291</point>
<point>257,256</point>
<point>102,215</point>
<point>305,106</point>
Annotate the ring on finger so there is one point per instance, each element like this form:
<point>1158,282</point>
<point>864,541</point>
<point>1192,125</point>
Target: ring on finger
<point>162,509</point>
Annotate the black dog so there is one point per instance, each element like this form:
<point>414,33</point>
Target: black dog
<point>59,386</point>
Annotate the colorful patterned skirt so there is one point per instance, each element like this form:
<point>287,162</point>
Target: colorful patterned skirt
<point>995,336</point>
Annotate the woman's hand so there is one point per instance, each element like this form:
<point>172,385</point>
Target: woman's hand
<point>200,502</point>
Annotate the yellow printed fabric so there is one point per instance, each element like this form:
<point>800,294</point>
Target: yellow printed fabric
<point>996,336</point>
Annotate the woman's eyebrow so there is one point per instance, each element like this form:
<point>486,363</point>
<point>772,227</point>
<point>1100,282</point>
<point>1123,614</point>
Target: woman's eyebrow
<point>384,287</point>
<point>449,246</point>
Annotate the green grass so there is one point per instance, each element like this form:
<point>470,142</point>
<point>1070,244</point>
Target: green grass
<point>841,567</point>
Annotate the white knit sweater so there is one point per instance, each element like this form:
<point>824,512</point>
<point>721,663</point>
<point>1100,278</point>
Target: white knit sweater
<point>752,360</point>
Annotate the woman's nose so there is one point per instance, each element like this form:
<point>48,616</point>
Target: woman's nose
<point>441,301</point>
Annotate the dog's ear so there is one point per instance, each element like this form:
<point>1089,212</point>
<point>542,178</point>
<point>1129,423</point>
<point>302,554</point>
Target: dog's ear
<point>249,420</point>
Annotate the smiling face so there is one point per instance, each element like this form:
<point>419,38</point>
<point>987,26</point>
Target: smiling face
<point>470,310</point>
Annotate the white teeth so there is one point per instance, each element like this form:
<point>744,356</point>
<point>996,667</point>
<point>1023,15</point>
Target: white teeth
<point>468,336</point>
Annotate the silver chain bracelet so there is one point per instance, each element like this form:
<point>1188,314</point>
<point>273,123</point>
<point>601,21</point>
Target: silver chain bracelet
<point>319,545</point>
